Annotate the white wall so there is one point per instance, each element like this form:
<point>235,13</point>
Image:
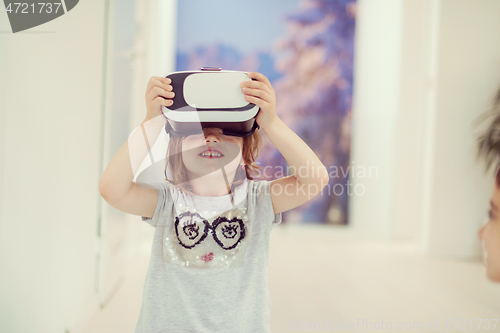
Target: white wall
<point>376,90</point>
<point>4,56</point>
<point>408,166</point>
<point>116,246</point>
<point>425,70</point>
<point>155,49</point>
<point>154,56</point>
<point>466,77</point>
<point>50,155</point>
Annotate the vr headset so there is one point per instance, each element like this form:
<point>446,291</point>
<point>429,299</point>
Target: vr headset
<point>210,97</point>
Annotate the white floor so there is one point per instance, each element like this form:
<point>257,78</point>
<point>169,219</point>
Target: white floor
<point>323,275</point>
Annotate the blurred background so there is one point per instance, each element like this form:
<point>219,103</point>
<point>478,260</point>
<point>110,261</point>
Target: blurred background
<point>306,50</point>
<point>387,92</point>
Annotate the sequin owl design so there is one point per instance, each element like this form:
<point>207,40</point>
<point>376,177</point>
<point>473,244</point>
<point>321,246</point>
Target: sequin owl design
<point>192,229</point>
<point>196,242</point>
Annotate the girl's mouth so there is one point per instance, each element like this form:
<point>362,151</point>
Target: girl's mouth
<point>211,153</point>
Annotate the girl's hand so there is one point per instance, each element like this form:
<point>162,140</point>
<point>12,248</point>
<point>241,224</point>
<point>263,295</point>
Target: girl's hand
<point>261,93</point>
<point>158,92</point>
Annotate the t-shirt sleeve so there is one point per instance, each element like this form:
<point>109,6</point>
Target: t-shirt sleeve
<point>163,198</point>
<point>264,202</point>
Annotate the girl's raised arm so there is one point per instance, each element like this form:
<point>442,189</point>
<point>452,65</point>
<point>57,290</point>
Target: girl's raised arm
<point>310,175</point>
<point>116,184</point>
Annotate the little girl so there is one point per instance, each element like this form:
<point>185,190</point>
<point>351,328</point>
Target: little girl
<point>210,252</point>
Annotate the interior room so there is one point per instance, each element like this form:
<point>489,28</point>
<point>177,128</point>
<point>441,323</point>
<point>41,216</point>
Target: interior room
<point>399,249</point>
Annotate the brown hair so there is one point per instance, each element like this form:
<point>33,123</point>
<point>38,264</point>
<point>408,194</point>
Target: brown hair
<point>252,147</point>
<point>488,143</point>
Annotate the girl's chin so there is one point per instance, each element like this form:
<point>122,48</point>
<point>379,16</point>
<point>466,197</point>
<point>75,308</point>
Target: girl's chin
<point>215,161</point>
<point>207,170</point>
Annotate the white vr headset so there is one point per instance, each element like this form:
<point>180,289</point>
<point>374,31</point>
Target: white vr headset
<point>210,97</point>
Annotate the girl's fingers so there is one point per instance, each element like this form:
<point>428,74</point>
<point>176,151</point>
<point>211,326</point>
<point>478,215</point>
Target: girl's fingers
<point>161,82</point>
<point>255,100</point>
<point>162,101</point>
<point>154,96</point>
<point>153,81</point>
<point>164,83</point>
<point>161,79</point>
<point>260,77</point>
<point>157,91</point>
<point>257,85</point>
<point>257,92</point>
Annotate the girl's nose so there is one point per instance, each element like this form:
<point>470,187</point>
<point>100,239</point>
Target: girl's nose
<point>211,138</point>
<point>212,135</point>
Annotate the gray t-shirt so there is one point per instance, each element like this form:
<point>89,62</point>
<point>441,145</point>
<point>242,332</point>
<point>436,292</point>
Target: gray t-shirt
<point>208,267</point>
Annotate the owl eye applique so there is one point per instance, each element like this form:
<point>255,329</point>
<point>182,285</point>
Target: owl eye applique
<point>191,229</point>
<point>228,233</point>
